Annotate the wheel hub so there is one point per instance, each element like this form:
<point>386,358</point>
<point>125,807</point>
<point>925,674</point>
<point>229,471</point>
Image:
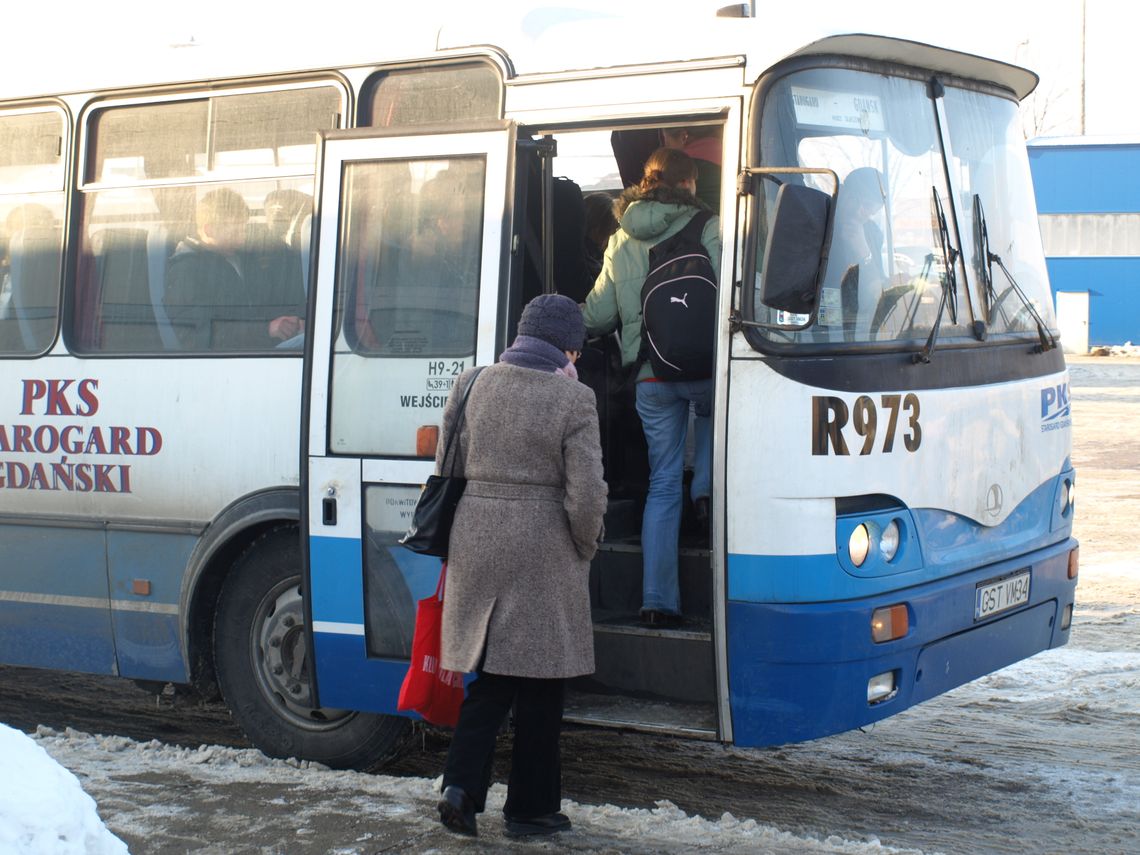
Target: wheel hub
<point>281,659</point>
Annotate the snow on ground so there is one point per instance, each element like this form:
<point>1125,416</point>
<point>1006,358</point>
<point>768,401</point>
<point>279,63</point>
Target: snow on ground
<point>406,803</point>
<point>43,809</point>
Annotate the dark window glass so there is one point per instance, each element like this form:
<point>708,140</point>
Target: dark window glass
<point>394,577</point>
<point>168,264</point>
<point>31,238</point>
<point>409,258</point>
<point>434,95</point>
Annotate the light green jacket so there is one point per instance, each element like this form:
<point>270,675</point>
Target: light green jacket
<point>645,220</point>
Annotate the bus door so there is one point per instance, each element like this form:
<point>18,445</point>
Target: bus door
<point>408,279</point>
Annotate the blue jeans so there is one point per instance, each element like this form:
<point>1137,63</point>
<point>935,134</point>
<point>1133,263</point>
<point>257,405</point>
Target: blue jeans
<point>664,411</point>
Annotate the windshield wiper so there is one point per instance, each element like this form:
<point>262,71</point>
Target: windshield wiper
<point>949,279</point>
<point>1047,341</point>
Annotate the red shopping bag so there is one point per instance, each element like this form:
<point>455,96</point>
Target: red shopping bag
<point>427,689</point>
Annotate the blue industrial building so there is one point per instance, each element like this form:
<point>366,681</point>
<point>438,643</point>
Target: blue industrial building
<point>1088,202</point>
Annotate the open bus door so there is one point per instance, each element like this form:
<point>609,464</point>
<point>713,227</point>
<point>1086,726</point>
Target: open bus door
<point>408,282</point>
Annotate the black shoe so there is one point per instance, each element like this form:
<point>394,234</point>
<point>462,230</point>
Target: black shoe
<point>660,620</point>
<point>457,811</point>
<point>550,823</point>
<point>701,512</point>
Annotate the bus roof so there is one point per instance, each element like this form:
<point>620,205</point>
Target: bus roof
<point>535,40</point>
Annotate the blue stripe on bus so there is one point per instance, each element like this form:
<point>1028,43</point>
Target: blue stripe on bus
<point>147,642</point>
<point>336,579</point>
<point>159,558</point>
<point>950,544</point>
<point>43,635</point>
<point>800,670</point>
<point>59,561</point>
<point>348,679</point>
<point>147,646</point>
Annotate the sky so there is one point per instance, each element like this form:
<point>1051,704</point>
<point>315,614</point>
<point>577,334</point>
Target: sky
<point>1046,37</point>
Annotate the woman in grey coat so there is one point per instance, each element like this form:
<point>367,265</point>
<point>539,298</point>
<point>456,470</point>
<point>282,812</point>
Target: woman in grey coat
<point>517,604</point>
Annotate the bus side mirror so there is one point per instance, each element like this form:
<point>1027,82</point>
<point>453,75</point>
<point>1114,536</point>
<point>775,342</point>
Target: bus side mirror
<point>794,249</point>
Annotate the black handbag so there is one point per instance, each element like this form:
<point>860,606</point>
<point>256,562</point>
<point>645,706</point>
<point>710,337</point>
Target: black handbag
<point>430,530</point>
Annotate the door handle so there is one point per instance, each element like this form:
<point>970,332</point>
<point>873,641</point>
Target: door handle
<point>328,511</point>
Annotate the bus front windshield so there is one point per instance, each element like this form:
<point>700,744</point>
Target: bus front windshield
<point>995,201</point>
<point>892,257</point>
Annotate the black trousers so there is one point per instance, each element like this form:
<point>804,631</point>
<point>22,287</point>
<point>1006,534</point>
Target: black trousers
<point>535,784</point>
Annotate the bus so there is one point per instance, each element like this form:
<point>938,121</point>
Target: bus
<point>238,285</point>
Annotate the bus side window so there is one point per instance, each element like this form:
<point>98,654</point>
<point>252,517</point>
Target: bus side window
<point>32,155</point>
<point>31,290</point>
<point>158,250</point>
<point>121,284</point>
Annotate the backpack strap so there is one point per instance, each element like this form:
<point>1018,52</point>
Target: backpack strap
<point>696,225</point>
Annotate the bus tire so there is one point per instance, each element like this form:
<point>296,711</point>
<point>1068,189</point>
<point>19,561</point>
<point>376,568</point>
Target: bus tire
<point>263,667</point>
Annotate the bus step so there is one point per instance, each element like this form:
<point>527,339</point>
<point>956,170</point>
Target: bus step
<point>652,715</point>
<point>615,579</point>
<point>673,664</point>
<point>693,628</point>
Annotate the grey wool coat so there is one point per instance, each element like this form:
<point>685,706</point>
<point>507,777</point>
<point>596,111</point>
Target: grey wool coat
<point>527,526</point>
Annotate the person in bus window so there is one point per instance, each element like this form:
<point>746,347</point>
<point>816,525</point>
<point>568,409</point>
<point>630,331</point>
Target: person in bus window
<point>285,213</point>
<point>517,603</point>
<point>702,144</point>
<point>222,294</point>
<point>439,281</point>
<point>653,211</point>
<point>855,261</point>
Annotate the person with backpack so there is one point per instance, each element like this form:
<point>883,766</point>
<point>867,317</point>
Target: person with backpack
<point>658,286</point>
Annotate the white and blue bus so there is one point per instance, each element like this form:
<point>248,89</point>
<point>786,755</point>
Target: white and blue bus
<point>194,491</point>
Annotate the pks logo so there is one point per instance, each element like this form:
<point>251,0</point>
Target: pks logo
<point>1055,407</point>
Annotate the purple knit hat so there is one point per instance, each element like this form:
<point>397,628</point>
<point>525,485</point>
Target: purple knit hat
<point>554,319</point>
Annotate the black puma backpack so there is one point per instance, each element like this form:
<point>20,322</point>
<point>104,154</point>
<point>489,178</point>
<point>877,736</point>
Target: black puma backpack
<point>678,306</point>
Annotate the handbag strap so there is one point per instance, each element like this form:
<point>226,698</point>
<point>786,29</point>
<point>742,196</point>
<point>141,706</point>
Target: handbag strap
<point>459,421</point>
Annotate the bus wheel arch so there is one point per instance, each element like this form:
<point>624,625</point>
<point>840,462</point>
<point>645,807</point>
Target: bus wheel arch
<point>261,661</point>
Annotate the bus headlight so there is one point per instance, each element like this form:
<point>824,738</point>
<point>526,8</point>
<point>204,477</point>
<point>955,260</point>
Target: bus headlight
<point>1068,497</point>
<point>889,540</point>
<point>859,544</point>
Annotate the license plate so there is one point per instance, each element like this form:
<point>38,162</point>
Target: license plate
<point>1000,595</point>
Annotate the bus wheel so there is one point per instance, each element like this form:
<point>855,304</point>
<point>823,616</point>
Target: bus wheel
<point>263,665</point>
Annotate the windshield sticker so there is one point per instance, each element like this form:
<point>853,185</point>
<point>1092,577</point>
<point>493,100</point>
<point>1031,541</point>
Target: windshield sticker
<point>830,308</point>
<point>838,109</point>
<point>833,422</point>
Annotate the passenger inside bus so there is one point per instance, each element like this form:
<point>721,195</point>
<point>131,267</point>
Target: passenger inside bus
<point>701,143</point>
<point>855,261</point>
<point>416,266</point>
<point>222,293</point>
<point>286,212</point>
<point>654,210</point>
<point>600,224</point>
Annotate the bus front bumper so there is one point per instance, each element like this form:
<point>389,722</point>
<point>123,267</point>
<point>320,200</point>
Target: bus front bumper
<point>800,671</point>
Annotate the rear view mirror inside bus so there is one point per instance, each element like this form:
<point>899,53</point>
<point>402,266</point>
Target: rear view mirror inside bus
<point>792,252</point>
